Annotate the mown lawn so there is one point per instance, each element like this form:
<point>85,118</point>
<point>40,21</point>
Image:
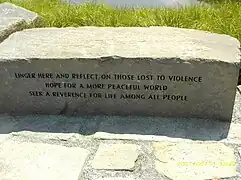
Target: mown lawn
<point>220,17</point>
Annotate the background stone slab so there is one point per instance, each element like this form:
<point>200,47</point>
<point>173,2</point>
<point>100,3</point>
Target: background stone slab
<point>8,10</point>
<point>14,18</point>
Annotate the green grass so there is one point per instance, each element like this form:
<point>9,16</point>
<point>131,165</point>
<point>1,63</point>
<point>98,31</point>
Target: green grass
<point>220,17</point>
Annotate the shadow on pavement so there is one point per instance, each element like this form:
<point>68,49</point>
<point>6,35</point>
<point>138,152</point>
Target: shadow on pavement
<point>194,129</point>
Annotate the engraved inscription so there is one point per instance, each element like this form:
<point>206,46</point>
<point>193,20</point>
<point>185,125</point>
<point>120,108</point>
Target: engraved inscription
<point>108,86</point>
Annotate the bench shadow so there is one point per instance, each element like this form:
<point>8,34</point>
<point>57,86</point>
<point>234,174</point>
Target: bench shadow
<point>194,129</point>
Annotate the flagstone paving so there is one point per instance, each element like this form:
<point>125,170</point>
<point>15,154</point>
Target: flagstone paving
<point>34,155</point>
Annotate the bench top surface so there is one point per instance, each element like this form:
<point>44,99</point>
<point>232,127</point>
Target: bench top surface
<point>129,42</point>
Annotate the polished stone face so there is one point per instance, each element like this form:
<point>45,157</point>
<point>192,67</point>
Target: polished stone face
<point>141,3</point>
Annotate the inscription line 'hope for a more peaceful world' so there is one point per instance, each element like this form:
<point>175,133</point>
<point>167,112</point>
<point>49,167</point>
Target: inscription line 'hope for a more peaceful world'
<point>158,91</point>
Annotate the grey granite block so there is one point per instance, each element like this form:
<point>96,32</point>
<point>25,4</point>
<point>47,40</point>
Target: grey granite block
<point>154,71</point>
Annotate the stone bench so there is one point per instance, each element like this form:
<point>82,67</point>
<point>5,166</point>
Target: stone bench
<point>153,71</point>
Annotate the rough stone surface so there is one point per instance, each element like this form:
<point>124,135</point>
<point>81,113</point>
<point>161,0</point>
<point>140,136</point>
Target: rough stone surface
<point>8,10</point>
<point>91,55</point>
<point>184,161</point>
<point>26,160</point>
<point>115,156</point>
<point>9,26</point>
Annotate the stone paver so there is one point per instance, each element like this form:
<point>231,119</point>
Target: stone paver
<point>116,156</point>
<point>28,161</point>
<point>187,161</point>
